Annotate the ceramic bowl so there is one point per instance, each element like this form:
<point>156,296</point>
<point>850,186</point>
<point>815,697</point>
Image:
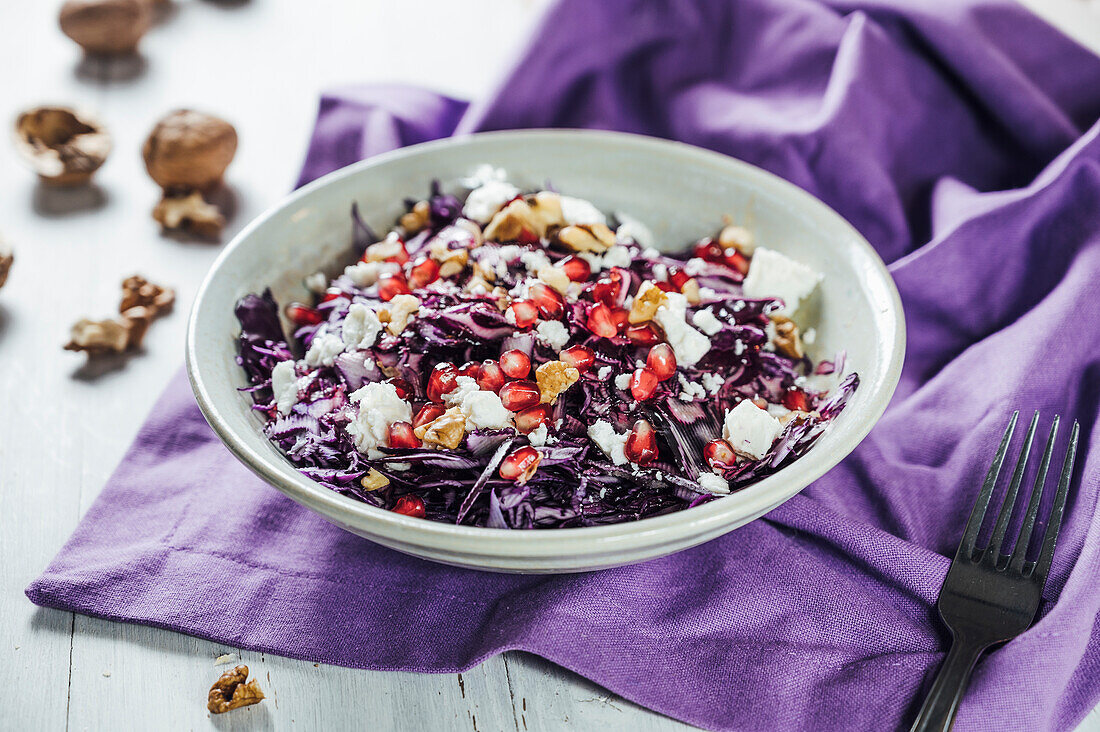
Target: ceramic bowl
<point>680,192</point>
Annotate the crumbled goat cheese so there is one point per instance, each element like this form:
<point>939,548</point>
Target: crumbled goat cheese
<point>705,321</point>
<point>595,261</point>
<point>580,211</point>
<point>483,174</point>
<point>651,253</point>
<point>632,228</point>
<point>510,317</point>
<point>714,483</point>
<point>538,436</point>
<point>695,267</point>
<point>365,274</point>
<point>534,260</point>
<point>379,407</point>
<point>604,373</point>
<point>772,274</point>
<point>323,349</point>
<point>660,273</point>
<point>622,381</point>
<point>316,282</point>
<point>484,410</point>
<point>778,410</point>
<point>750,430</point>
<point>464,386</point>
<point>691,390</point>
<point>553,334</point>
<point>607,439</point>
<point>361,327</point>
<point>488,198</point>
<point>738,347</point>
<point>688,344</point>
<point>713,383</point>
<point>617,256</point>
<point>284,385</point>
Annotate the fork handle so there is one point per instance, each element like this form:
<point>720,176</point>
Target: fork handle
<point>938,712</point>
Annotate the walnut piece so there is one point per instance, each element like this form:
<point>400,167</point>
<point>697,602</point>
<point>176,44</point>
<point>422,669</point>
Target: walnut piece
<point>649,298</point>
<point>451,261</point>
<point>136,290</point>
<point>554,377</point>
<point>7,258</point>
<point>536,214</point>
<point>231,691</point>
<point>787,340</point>
<point>555,277</point>
<point>189,214</point>
<point>63,146</point>
<point>399,313</point>
<point>106,27</point>
<point>374,480</point>
<point>691,291</point>
<point>189,150</point>
<point>595,238</point>
<point>737,237</point>
<point>416,219</point>
<point>380,251</point>
<point>447,430</point>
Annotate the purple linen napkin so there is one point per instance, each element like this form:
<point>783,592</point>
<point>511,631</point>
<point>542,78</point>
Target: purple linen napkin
<point>957,138</point>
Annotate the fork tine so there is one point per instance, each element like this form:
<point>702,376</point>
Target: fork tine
<point>994,548</point>
<point>977,514</point>
<point>1054,523</point>
<point>1023,540</point>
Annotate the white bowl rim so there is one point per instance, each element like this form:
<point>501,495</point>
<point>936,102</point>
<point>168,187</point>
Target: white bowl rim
<point>548,543</point>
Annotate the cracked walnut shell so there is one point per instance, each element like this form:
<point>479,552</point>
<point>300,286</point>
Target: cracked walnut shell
<point>106,27</point>
<point>63,146</point>
<point>232,691</point>
<point>7,258</point>
<point>189,150</point>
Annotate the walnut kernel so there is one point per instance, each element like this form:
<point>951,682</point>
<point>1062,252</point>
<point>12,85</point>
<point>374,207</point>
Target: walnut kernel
<point>374,480</point>
<point>380,251</point>
<point>554,377</point>
<point>189,214</point>
<point>787,340</point>
<point>137,291</point>
<point>649,298</point>
<point>737,237</point>
<point>447,430</point>
<point>587,237</point>
<point>231,691</point>
<point>555,277</point>
<point>416,219</point>
<point>400,311</point>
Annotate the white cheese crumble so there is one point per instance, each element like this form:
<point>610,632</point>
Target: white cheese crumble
<point>363,274</point>
<point>695,267</point>
<point>617,256</point>
<point>484,410</point>
<point>538,436</point>
<point>714,483</point>
<point>705,321</point>
<point>660,272</point>
<point>284,385</point>
<point>622,381</point>
<point>750,430</point>
<point>580,211</point>
<point>379,407</point>
<point>552,333</point>
<point>691,391</point>
<point>604,373</point>
<point>607,439</point>
<point>316,282</point>
<point>632,228</point>
<point>713,383</point>
<point>534,260</point>
<point>688,344</point>
<point>464,385</point>
<point>488,198</point>
<point>772,274</point>
<point>323,349</point>
<point>361,327</point>
<point>595,261</point>
<point>738,347</point>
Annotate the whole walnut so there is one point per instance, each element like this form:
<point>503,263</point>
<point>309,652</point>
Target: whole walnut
<point>189,150</point>
<point>111,27</point>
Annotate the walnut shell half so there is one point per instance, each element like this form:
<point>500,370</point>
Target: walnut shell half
<point>64,147</point>
<point>109,27</point>
<point>189,150</point>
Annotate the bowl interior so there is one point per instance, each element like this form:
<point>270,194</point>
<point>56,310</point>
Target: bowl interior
<point>678,191</point>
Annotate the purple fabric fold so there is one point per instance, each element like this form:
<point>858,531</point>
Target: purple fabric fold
<point>962,140</point>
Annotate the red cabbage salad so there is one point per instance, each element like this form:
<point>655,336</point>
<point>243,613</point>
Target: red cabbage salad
<point>519,360</point>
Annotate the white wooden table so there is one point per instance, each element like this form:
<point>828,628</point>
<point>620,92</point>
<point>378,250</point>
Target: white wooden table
<point>64,426</point>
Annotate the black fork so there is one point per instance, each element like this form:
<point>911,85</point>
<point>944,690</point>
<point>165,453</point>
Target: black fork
<point>989,597</point>
<point>687,439</point>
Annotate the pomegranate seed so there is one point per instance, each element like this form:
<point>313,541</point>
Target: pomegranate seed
<point>527,237</point>
<point>390,286</point>
<point>643,383</point>
<point>401,435</point>
<point>441,381</point>
<point>609,288</point>
<point>578,357</point>
<point>678,277</point>
<point>424,272</point>
<point>643,334</point>
<point>530,418</point>
<point>641,443</point>
<point>797,400</point>
<point>547,300</point>
<point>410,506</point>
<point>401,257</point>
<point>709,250</point>
<point>719,454</point>
<point>524,313</point>
<point>334,294</point>
<point>471,369</point>
<point>428,413</point>
<point>491,376</point>
<point>661,361</point>
<point>520,464</point>
<point>576,268</point>
<point>301,314</point>
<point>620,318</point>
<point>736,260</point>
<point>519,395</point>
<point>515,364</point>
<point>600,322</point>
<point>403,388</point>
<point>665,286</point>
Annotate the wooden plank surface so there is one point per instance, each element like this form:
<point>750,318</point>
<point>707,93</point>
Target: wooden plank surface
<point>64,426</point>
